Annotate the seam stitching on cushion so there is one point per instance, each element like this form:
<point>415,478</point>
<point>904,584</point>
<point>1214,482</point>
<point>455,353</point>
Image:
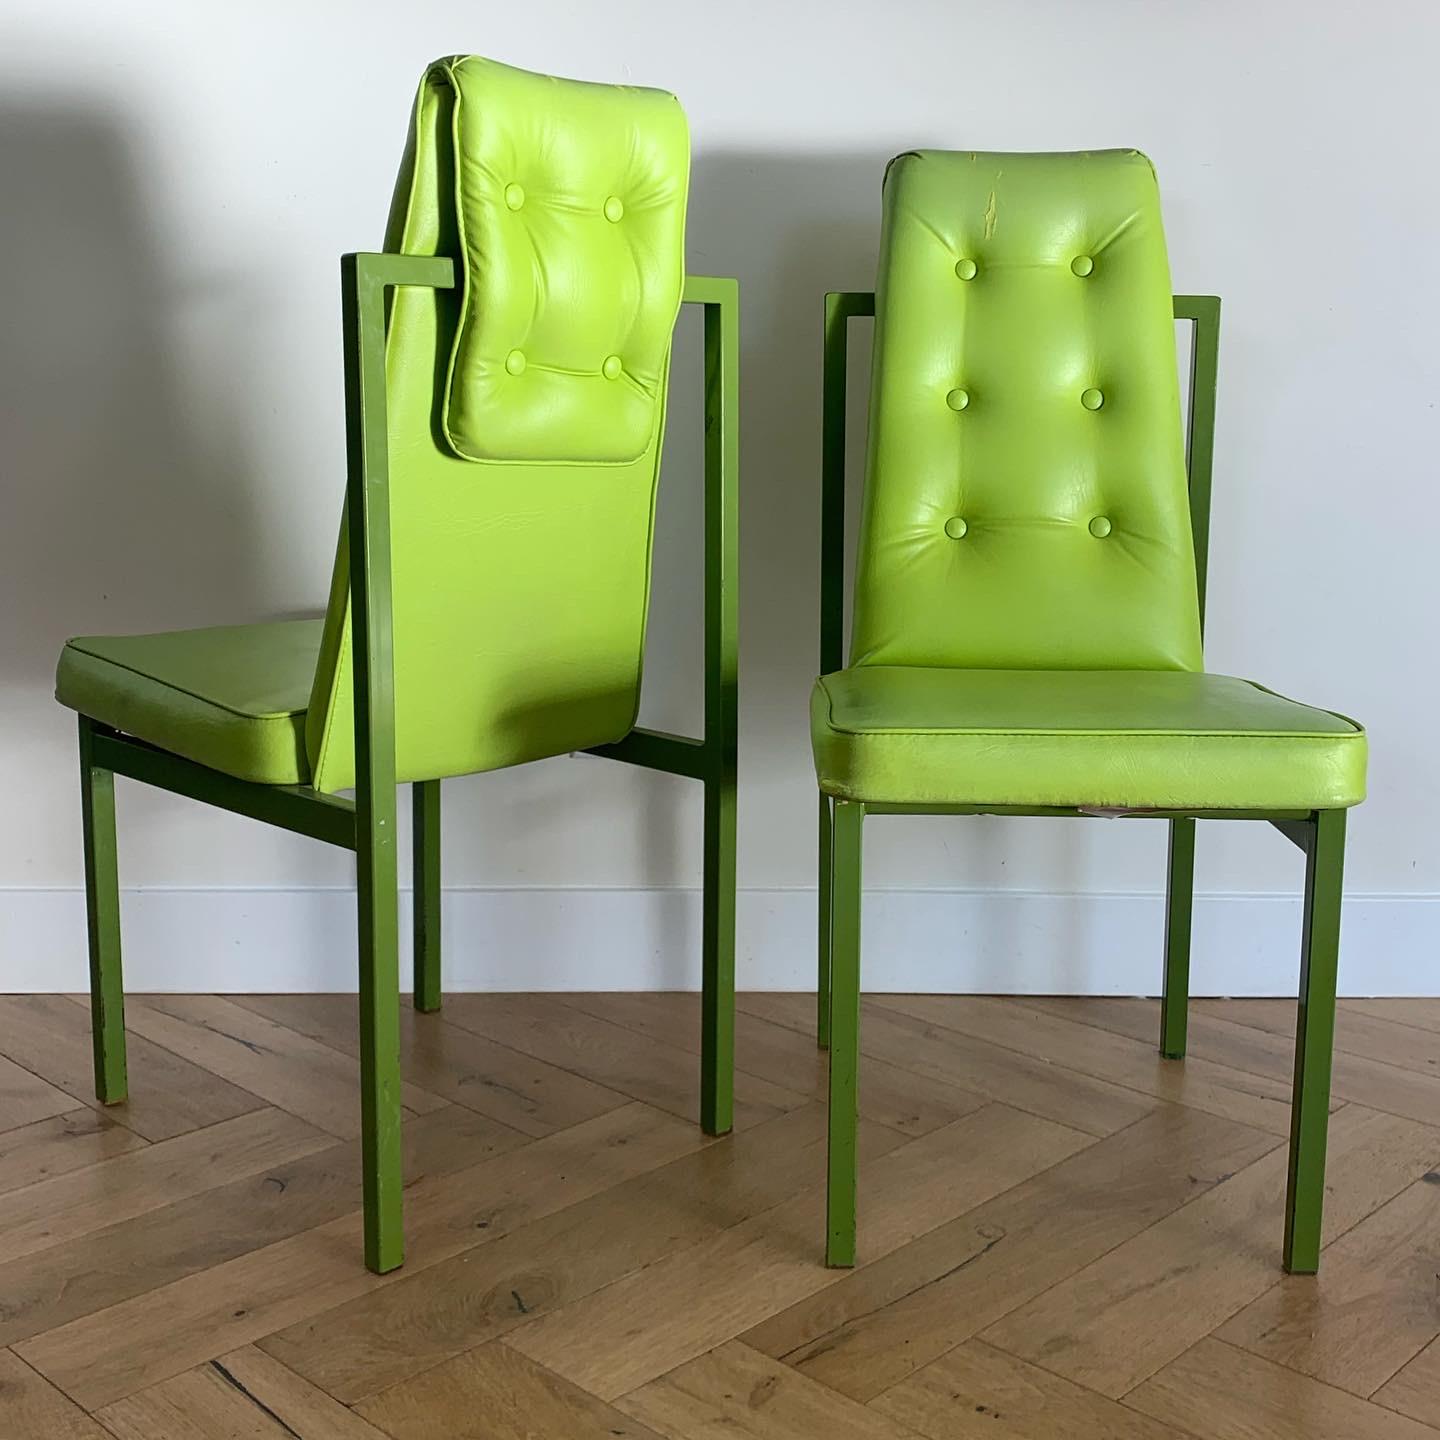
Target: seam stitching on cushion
<point>1356,728</point>
<point>1110,734</point>
<point>192,694</point>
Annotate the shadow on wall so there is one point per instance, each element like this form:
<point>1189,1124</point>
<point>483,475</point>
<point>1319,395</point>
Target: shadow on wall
<point>131,481</point>
<point>789,227</point>
<point>128,482</point>
<point>792,227</point>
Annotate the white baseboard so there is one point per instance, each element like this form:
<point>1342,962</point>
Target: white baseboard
<point>548,939</point>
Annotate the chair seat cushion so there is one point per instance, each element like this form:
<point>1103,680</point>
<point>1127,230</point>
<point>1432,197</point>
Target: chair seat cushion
<point>1124,739</point>
<point>232,697</point>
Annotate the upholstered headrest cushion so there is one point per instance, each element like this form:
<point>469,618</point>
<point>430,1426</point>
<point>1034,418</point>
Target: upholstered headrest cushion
<point>570,208</point>
<point>1026,499</point>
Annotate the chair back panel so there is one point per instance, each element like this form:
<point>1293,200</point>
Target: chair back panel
<point>1025,493</point>
<point>525,416</point>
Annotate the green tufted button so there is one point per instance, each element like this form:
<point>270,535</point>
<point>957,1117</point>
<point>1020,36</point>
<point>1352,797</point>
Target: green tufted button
<point>965,269</point>
<point>955,527</point>
<point>611,368</point>
<point>614,208</point>
<point>514,362</point>
<point>1092,399</point>
<point>1082,265</point>
<point>1100,527</point>
<point>514,196</point>
<point>958,399</point>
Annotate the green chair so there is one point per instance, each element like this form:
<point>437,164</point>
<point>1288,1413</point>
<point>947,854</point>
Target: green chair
<point>506,363</point>
<point>1030,582</point>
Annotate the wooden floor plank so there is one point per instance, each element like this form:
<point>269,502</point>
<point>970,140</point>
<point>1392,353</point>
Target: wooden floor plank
<point>383,1337</point>
<point>979,1393</point>
<point>661,1075</point>
<point>1415,1391</point>
<point>279,1064</point>
<point>885,1321</point>
<point>736,1392</point>
<point>494,1393</point>
<point>1221,1041</point>
<point>1060,1233</point>
<point>645,1325</point>
<point>60,1211</point>
<point>50,1035</point>
<point>1065,1096</point>
<point>33,1409</point>
<point>1372,1308</point>
<point>1357,1032</point>
<point>905,1101</point>
<point>114,1352</point>
<point>1358,1078</point>
<point>1423,1013</point>
<point>62,1143</point>
<point>444,1059</point>
<point>195,1235</point>
<point>25,1098</point>
<point>242,1396</point>
<point>1256,1100</point>
<point>1125,1315</point>
<point>1217,1392</point>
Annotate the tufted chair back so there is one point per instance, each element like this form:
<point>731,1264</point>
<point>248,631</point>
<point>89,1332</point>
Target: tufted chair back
<point>1025,498</point>
<point>526,412</point>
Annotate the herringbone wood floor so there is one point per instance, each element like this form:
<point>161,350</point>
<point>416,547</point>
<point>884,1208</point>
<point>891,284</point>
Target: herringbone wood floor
<point>1061,1234</point>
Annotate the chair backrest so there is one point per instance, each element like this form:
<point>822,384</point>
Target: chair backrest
<point>1025,493</point>
<point>526,412</point>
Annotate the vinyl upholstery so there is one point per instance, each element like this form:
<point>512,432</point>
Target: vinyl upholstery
<point>1026,624</point>
<point>526,412</point>
<point>229,696</point>
<point>570,203</point>
<point>1023,463</point>
<point>1155,739</point>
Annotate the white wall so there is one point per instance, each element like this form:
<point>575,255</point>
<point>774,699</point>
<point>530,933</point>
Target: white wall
<point>176,182</point>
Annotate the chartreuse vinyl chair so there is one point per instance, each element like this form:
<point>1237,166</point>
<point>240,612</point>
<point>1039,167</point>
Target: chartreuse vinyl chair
<point>1030,581</point>
<point>506,363</point>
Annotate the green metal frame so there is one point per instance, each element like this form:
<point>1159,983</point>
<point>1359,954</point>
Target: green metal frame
<point>712,759</point>
<point>368,824</point>
<point>425,843</point>
<point>1319,834</point>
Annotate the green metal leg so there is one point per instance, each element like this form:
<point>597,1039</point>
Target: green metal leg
<point>1314,1039</point>
<point>822,981</point>
<point>380,1032</point>
<point>1179,903</point>
<point>844,1032</point>
<point>102,913</point>
<point>717,1003</point>
<point>363,282</point>
<point>425,802</point>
